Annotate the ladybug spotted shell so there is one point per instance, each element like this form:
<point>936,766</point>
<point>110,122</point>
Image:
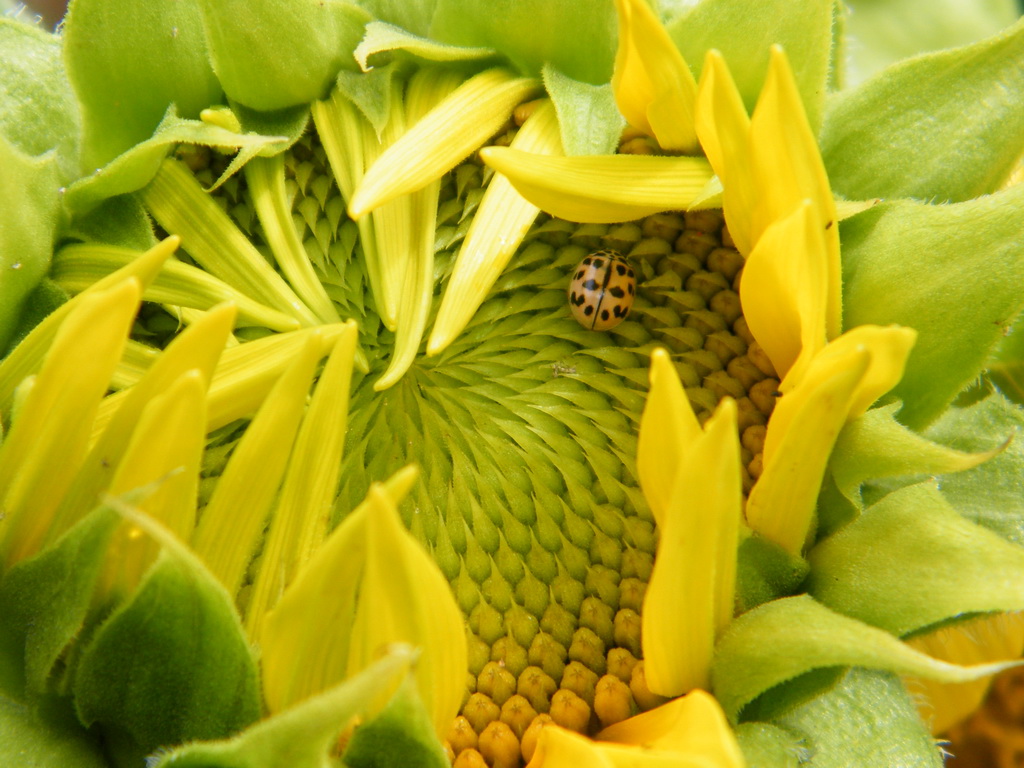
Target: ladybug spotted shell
<point>602,290</point>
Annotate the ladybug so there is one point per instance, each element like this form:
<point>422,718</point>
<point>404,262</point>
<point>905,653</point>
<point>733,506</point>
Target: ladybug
<point>602,289</point>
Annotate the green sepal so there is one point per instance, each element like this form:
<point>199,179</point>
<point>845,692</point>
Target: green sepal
<point>766,744</point>
<point>911,562</point>
<point>413,15</point>
<point>382,37</point>
<point>402,734</point>
<point>287,125</point>
<point>301,736</point>
<point>45,735</point>
<point>588,118</point>
<point>1006,368</point>
<point>952,272</point>
<point>876,445</point>
<point>889,30</point>
<point>45,600</point>
<point>780,640</point>
<point>576,38</point>
<point>172,663</point>
<point>274,54</point>
<point>370,92</point>
<point>990,494</point>
<point>130,61</point>
<point>868,720</point>
<point>29,221</point>
<point>136,167</point>
<point>38,111</point>
<point>765,571</point>
<point>744,32</point>
<point>117,220</point>
<point>945,126</point>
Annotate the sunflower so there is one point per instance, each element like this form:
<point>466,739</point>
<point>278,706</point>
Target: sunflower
<point>486,533</point>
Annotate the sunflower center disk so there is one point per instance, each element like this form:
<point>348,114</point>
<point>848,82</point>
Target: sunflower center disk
<point>525,431</point>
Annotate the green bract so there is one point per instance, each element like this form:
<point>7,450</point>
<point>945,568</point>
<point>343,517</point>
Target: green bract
<point>114,132</point>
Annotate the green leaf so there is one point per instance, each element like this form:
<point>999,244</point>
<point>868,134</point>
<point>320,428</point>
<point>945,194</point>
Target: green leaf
<point>1007,365</point>
<point>45,737</point>
<point>28,225</point>
<point>785,638</point>
<point>945,126</point>
<point>46,297</point>
<point>44,600</point>
<point>128,61</point>
<point>403,734</point>
<point>768,745</point>
<point>137,167</point>
<point>588,118</point>
<point>576,38</point>
<point>117,220</point>
<point>38,111</point>
<point>989,495</point>
<point>875,445</point>
<point>911,562</point>
<point>765,571</point>
<point>273,54</point>
<point>952,272</point>
<point>744,32</point>
<point>170,665</point>
<point>867,720</point>
<point>889,30</point>
<point>304,734</point>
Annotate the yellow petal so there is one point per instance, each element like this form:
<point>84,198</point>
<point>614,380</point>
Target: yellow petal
<point>426,88</point>
<point>178,202</point>
<point>668,428</point>
<point>499,226</point>
<point>305,638</point>
<point>198,347</point>
<point>653,85</point>
<point>225,539</point>
<point>76,267</point>
<point>692,724</point>
<point>558,747</point>
<point>724,131</point>
<point>787,162</point>
<point>265,179</point>
<point>48,439</point>
<point>165,453</point>
<point>838,385</point>
<point>690,595</point>
<point>783,289</point>
<point>601,189</point>
<point>26,358</point>
<point>985,639</point>
<point>452,131</point>
<point>304,506</point>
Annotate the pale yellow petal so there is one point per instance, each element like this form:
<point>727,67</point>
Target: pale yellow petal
<point>787,162</point>
<point>499,226</point>
<point>654,88</point>
<point>668,428</point>
<point>724,131</point>
<point>988,638</point>
<point>783,289</point>
<point>602,189</point>
<point>452,131</point>
<point>689,597</point>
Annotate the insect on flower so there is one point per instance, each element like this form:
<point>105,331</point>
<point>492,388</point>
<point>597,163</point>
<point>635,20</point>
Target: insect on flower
<point>602,290</point>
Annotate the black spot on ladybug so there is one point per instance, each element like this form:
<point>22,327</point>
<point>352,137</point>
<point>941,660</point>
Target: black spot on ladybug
<point>588,310</point>
<point>605,314</point>
<point>617,292</point>
<point>621,269</point>
<point>591,284</point>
